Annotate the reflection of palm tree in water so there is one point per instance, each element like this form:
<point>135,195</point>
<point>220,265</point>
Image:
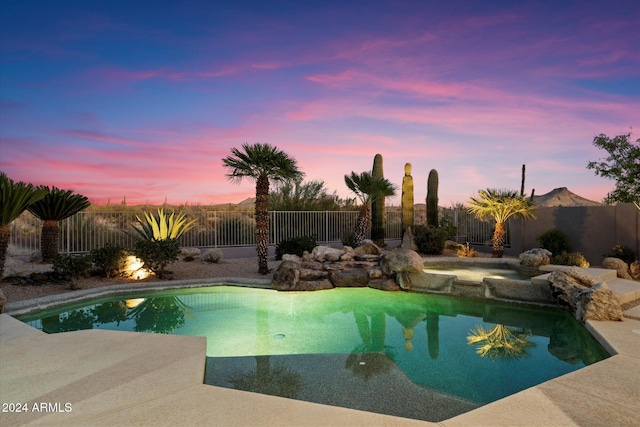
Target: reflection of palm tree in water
<point>433,334</point>
<point>161,315</point>
<point>369,358</point>
<point>500,342</point>
<point>278,380</point>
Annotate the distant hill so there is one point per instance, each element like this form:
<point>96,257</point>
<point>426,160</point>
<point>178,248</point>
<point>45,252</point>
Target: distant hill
<point>562,197</point>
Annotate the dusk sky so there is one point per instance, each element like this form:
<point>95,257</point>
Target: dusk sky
<point>142,99</point>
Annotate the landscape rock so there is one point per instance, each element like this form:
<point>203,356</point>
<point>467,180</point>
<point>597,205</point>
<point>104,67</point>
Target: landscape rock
<point>621,267</point>
<point>375,273</point>
<point>634,269</point>
<point>189,253</point>
<point>311,274</point>
<point>384,285</point>
<point>313,285</point>
<point>367,248</point>
<point>587,300</point>
<point>353,278</point>
<point>286,276</point>
<point>535,257</point>
<point>598,303</point>
<point>291,257</point>
<point>313,265</point>
<point>424,282</point>
<point>326,253</point>
<point>408,240</point>
<point>401,260</point>
<point>454,246</point>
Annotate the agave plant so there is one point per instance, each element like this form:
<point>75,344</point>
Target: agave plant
<point>500,342</point>
<point>15,198</point>
<point>162,227</point>
<point>55,206</point>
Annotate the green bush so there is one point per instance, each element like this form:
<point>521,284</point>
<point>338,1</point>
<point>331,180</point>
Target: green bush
<point>555,241</point>
<point>622,252</point>
<point>429,239</point>
<point>570,258</point>
<point>110,259</point>
<point>72,266</point>
<point>295,246</point>
<point>157,254</point>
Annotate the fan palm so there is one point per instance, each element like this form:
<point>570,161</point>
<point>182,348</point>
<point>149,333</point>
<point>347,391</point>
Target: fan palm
<point>261,163</point>
<point>15,198</point>
<point>368,188</point>
<point>500,205</point>
<point>55,206</point>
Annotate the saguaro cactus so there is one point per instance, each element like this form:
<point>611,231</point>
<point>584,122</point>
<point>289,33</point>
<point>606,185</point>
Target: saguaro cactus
<point>522,183</point>
<point>432,198</point>
<point>407,198</point>
<point>377,207</point>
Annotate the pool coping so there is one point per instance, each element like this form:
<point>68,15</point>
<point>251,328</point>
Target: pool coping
<point>607,392</point>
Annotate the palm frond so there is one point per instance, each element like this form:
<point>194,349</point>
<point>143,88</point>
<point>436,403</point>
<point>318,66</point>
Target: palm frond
<point>58,204</point>
<point>16,197</point>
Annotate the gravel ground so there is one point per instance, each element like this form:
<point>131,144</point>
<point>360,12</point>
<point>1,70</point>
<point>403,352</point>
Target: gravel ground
<point>240,267</point>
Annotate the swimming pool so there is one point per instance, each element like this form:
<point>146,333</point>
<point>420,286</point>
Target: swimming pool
<point>415,355</point>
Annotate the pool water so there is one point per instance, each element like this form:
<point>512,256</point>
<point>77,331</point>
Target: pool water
<point>426,356</point>
<point>477,273</point>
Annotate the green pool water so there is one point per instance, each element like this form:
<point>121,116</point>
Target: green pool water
<point>424,356</point>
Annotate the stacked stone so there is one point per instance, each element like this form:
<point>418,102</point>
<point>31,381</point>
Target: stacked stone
<point>326,268</point>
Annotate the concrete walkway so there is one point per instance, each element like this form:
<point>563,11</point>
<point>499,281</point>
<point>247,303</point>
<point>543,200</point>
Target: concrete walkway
<point>108,378</point>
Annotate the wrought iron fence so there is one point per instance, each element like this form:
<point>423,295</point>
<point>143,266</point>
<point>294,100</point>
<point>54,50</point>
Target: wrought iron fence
<point>93,229</point>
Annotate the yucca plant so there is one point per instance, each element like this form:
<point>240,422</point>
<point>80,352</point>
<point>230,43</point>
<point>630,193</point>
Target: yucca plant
<point>162,227</point>
<point>15,198</point>
<point>55,206</point>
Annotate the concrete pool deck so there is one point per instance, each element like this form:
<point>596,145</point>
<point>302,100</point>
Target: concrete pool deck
<point>106,378</point>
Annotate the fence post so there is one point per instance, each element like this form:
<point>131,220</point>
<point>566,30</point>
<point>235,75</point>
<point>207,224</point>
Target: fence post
<point>215,229</point>
<point>68,235</point>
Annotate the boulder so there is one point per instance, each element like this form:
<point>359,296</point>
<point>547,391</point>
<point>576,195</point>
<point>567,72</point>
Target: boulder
<point>311,274</point>
<point>291,257</point>
<point>598,303</point>
<point>401,260</point>
<point>535,257</point>
<point>425,282</point>
<point>587,300</point>
<point>313,285</point>
<point>189,254</point>
<point>286,277</point>
<point>354,278</point>
<point>384,285</point>
<point>313,265</point>
<point>634,269</point>
<point>408,241</point>
<point>454,246</point>
<point>621,267</point>
<point>326,253</point>
<point>375,273</point>
<point>367,248</point>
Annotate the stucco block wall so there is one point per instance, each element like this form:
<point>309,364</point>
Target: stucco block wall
<point>592,230</point>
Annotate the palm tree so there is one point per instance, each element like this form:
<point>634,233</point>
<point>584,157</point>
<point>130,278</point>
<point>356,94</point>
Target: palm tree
<point>261,163</point>
<point>500,205</point>
<point>368,188</point>
<point>501,342</point>
<point>55,206</point>
<point>15,198</point>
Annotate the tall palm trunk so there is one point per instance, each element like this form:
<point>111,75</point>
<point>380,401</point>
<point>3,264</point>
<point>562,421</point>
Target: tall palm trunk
<point>262,223</point>
<point>499,240</point>
<point>49,239</point>
<point>360,233</point>
<point>5,232</point>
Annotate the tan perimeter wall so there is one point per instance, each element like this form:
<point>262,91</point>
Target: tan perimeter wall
<point>592,230</point>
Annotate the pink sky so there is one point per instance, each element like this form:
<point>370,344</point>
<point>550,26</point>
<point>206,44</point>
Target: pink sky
<point>142,100</point>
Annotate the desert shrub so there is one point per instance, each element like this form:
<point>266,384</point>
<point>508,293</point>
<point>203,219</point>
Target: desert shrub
<point>429,239</point>
<point>110,259</point>
<point>622,252</point>
<point>347,239</point>
<point>295,246</point>
<point>448,227</point>
<point>72,266</point>
<point>467,252</point>
<point>570,258</point>
<point>212,255</point>
<point>157,254</point>
<point>555,241</point>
